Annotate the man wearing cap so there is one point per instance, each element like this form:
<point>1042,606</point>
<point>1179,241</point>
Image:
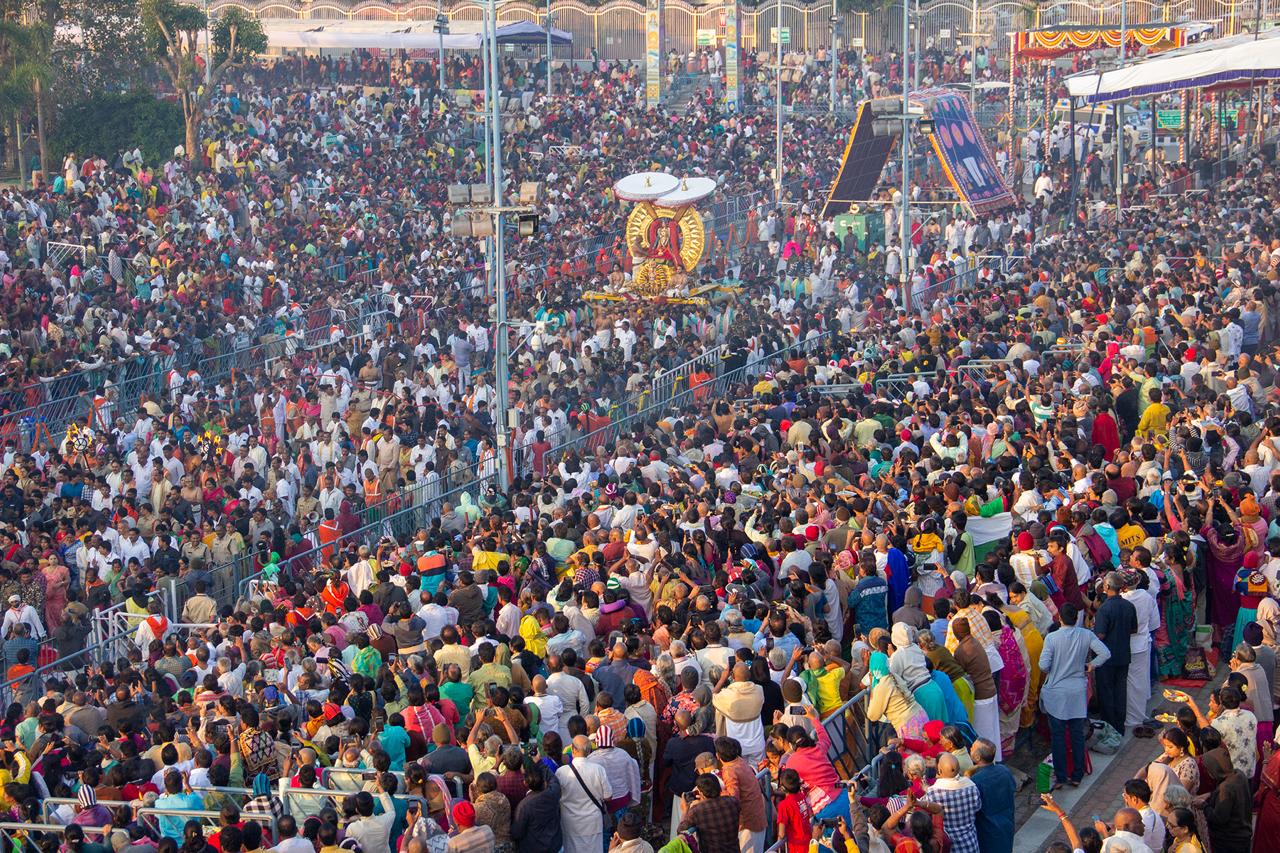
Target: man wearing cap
<point>621,769</point>
<point>22,614</point>
<point>467,837</point>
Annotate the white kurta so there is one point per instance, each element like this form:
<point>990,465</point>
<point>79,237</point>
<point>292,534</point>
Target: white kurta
<point>580,818</point>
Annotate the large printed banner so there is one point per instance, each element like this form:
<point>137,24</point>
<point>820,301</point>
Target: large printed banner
<point>653,53</point>
<point>864,157</point>
<point>964,154</point>
<point>732,86</point>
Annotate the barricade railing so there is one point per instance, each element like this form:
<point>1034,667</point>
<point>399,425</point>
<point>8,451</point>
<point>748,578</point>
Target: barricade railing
<point>209,818</point>
<point>48,804</point>
<point>922,299</point>
<point>849,730</point>
<point>838,390</point>
<point>413,509</point>
<point>718,386</point>
<point>31,686</point>
<point>977,368</point>
<point>44,409</point>
<point>681,377</point>
<point>9,830</point>
<point>896,385</point>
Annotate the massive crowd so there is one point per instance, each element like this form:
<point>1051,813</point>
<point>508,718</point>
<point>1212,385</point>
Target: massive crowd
<point>1014,506</point>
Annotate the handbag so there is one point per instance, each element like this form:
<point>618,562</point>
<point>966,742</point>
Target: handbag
<point>605,817</point>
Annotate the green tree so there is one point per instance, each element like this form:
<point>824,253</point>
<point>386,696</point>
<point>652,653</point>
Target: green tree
<point>173,36</point>
<point>25,70</point>
<point>107,122</point>
<point>105,51</point>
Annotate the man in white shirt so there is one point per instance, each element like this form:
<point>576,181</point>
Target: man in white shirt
<point>550,708</point>
<point>373,831</point>
<point>1137,796</point>
<point>1128,833</point>
<point>508,621</point>
<point>1138,689</point>
<point>436,614</point>
<point>21,614</point>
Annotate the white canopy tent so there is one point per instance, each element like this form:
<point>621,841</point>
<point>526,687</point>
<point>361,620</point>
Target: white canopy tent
<point>1239,60</point>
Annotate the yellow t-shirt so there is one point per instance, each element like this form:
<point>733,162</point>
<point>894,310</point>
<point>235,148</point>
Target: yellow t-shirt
<point>1131,536</point>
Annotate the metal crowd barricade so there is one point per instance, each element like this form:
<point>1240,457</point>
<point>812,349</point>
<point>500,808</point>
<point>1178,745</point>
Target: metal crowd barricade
<point>978,368</point>
<point>667,383</point>
<point>53,404</point>
<point>31,686</point>
<point>398,516</point>
<point>849,730</point>
<point>207,817</point>
<point>222,789</point>
<point>9,829</point>
<point>921,299</point>
<point>838,390</point>
<point>352,774</point>
<point>48,804</point>
<point>895,386</point>
<point>1067,350</point>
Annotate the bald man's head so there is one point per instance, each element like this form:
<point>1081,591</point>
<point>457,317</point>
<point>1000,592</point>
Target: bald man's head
<point>948,766</point>
<point>1129,820</point>
<point>683,720</point>
<point>960,627</point>
<point>741,672</point>
<point>582,748</point>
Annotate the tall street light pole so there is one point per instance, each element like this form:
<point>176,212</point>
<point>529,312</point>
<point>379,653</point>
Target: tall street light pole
<point>547,24</point>
<point>1119,118</point>
<point>915,74</point>
<point>904,220</point>
<point>442,24</point>
<point>502,332</point>
<point>835,63</point>
<point>973,58</point>
<point>777,152</point>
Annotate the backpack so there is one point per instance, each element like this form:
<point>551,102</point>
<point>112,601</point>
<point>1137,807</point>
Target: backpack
<point>1097,552</point>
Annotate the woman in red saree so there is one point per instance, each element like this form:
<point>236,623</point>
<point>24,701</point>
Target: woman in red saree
<point>1267,801</point>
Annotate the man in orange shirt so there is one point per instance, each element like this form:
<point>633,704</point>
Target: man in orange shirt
<point>327,533</point>
<point>334,595</point>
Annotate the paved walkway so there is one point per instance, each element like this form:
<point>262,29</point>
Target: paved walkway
<point>1100,794</point>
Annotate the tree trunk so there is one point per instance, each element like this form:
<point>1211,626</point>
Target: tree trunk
<point>10,151</point>
<point>40,135</point>
<point>191,118</point>
<point>17,142</point>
